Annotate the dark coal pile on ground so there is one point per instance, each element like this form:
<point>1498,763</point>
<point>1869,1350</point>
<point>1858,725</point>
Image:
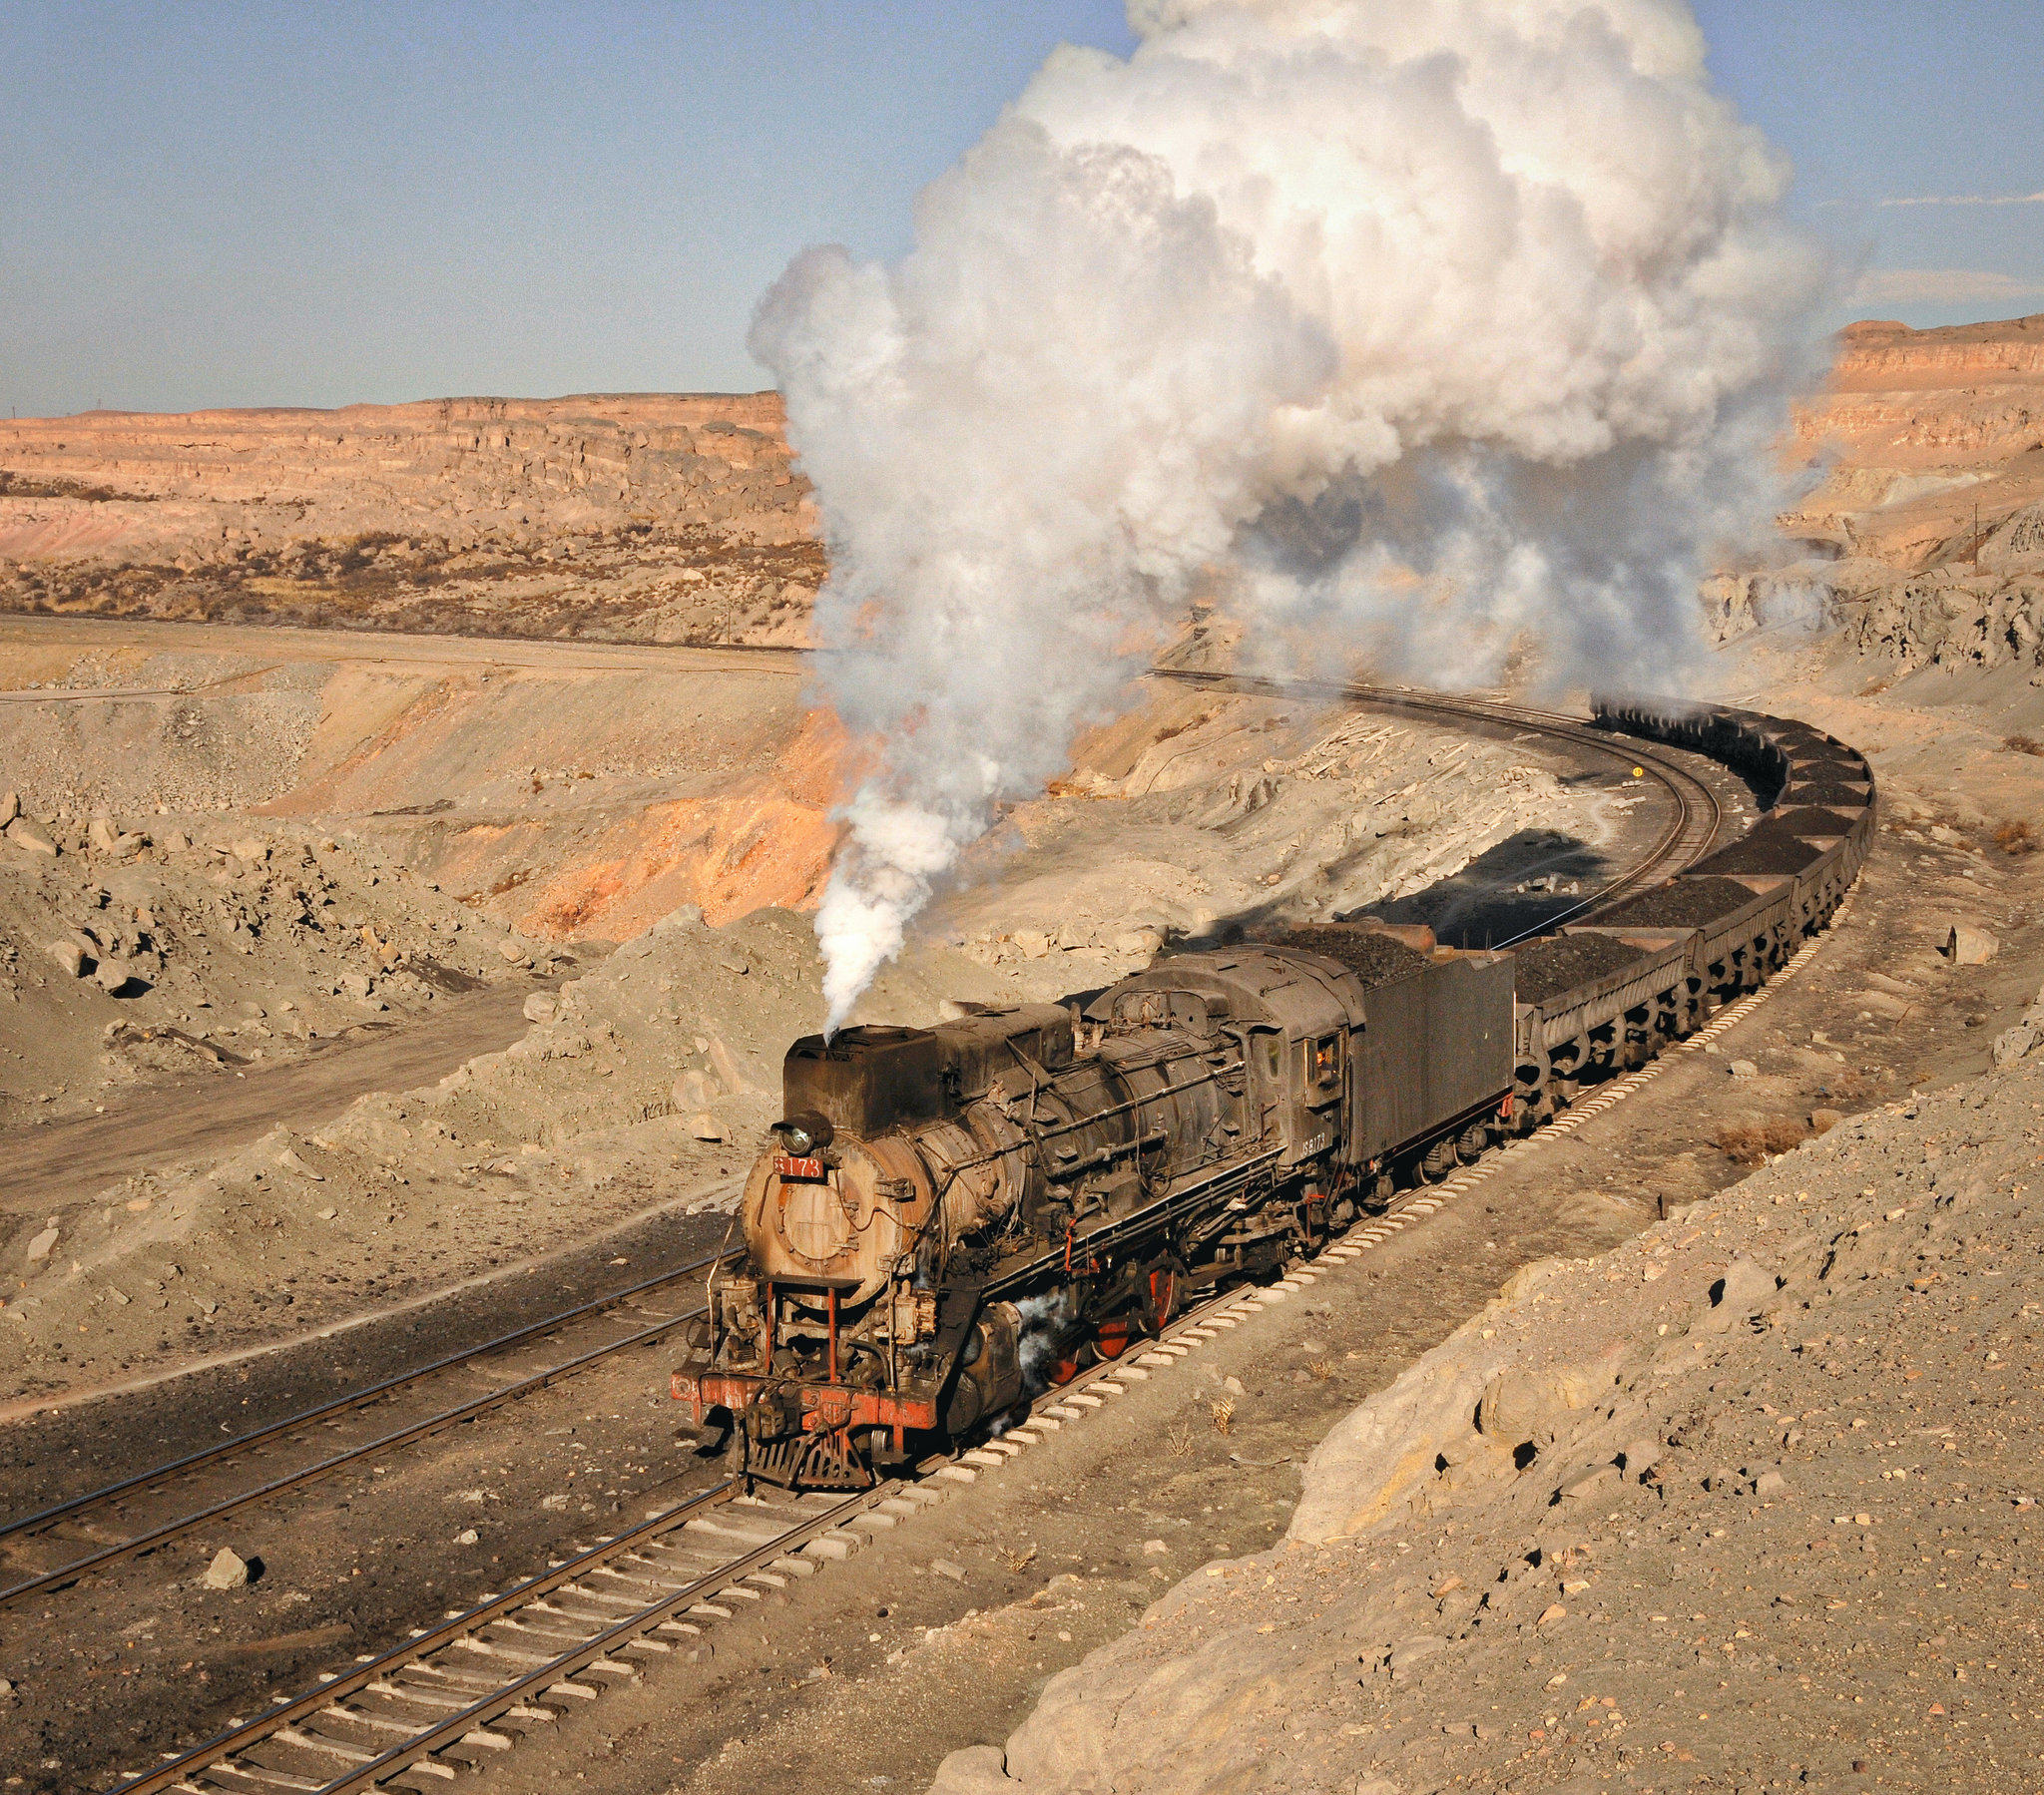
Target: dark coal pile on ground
<point>1548,967</point>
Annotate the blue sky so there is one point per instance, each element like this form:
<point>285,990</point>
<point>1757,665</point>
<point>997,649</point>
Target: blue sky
<point>257,203</point>
<point>1917,135</point>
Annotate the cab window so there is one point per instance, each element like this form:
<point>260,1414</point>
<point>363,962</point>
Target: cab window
<point>1323,1064</point>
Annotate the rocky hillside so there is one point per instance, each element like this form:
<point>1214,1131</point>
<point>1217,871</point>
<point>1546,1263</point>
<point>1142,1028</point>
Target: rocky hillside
<point>654,517</point>
<point>1920,428</point>
<point>1750,1502</point>
<point>1926,519</point>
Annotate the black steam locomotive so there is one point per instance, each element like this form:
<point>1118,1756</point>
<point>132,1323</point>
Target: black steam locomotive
<point>953,1218</point>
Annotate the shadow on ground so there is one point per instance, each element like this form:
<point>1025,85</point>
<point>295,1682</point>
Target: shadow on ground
<point>1528,883</point>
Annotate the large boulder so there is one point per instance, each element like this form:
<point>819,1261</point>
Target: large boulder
<point>30,837</point>
<point>1966,945</point>
<point>114,974</point>
<point>1747,1287</point>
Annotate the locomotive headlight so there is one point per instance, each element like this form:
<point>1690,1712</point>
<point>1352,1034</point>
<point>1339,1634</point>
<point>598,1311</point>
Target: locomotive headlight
<point>803,1134</point>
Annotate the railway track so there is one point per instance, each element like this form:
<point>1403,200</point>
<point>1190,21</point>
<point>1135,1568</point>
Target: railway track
<point>147,1490</point>
<point>461,1695</point>
<point>457,1695</point>
<point>1689,835</point>
<point>1693,827</point>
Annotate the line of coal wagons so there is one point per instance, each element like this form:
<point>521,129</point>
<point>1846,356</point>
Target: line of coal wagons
<point>1603,996</point>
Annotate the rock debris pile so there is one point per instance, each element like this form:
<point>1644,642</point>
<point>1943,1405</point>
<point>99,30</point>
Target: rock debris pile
<point>129,950</point>
<point>570,792</point>
<point>644,1082</point>
<point>1750,1502</point>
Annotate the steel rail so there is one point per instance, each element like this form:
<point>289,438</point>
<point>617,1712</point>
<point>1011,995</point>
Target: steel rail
<point>374,1769</point>
<point>1697,806</point>
<point>251,1732</point>
<point>1549,722</point>
<point>174,1771</point>
<point>1695,803</point>
<point>404,1436</point>
<point>622,1633</point>
<point>341,1405</point>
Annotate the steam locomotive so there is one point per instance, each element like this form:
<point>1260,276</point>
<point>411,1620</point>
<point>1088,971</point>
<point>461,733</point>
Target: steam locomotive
<point>952,1219</point>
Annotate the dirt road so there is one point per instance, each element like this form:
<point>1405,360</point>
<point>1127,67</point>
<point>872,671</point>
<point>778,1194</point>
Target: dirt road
<point>204,1117</point>
<point>294,646</point>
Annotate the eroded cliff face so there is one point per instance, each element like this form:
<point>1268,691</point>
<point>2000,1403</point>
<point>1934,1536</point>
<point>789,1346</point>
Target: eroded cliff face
<point>1922,427</point>
<point>1925,518</point>
<point>642,517</point>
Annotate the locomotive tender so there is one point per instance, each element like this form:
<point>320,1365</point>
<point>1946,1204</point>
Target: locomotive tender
<point>954,1218</point>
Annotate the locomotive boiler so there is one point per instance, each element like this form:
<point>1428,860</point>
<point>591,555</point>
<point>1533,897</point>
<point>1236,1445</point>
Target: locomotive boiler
<point>952,1219</point>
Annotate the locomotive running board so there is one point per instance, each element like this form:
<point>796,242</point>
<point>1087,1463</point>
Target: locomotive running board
<point>1230,1181</point>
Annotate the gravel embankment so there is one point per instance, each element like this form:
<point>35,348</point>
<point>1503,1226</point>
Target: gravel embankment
<point>1750,1502</point>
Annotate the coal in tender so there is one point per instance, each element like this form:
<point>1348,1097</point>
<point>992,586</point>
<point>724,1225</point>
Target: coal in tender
<point>1690,903</point>
<point>1548,967</point>
<point>1373,958</point>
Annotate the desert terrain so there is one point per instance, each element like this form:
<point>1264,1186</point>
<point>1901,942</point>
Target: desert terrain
<point>404,908</point>
<point>1924,461</point>
<point>637,517</point>
<point>583,871</point>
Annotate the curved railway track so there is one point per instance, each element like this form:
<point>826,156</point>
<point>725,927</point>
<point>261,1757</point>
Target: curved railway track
<point>1692,830</point>
<point>461,1695</point>
<point>461,1691</point>
<point>1689,835</point>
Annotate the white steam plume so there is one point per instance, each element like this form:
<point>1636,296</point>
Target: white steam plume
<point>1420,329</point>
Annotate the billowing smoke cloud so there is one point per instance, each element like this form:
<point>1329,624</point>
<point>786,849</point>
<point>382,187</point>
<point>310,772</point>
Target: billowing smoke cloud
<point>1427,330</point>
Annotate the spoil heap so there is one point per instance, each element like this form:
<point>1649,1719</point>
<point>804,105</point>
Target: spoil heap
<point>1745,1503</point>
